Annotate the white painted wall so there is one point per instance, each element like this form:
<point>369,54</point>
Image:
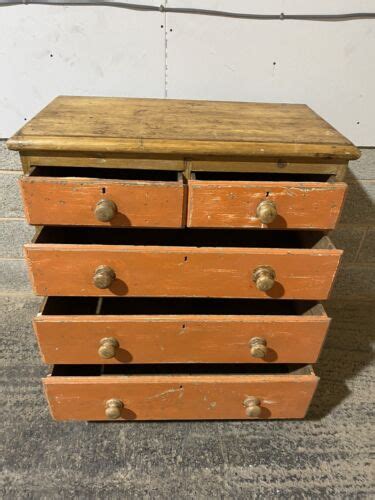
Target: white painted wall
<point>104,51</point>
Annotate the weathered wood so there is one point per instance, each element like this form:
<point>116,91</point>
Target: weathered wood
<point>151,338</point>
<point>299,205</point>
<point>68,269</point>
<point>124,364</point>
<point>141,161</point>
<point>107,160</point>
<point>285,165</point>
<point>179,397</point>
<point>72,201</point>
<point>153,126</point>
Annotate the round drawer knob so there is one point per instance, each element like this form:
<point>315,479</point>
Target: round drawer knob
<point>252,407</point>
<point>108,346</point>
<point>103,277</point>
<point>105,210</point>
<point>266,211</point>
<point>258,347</point>
<point>113,408</point>
<point>264,278</point>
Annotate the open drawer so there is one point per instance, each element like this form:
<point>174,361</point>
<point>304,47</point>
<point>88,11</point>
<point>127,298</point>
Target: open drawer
<point>125,330</point>
<point>103,197</point>
<point>182,263</point>
<point>179,392</point>
<point>254,200</point>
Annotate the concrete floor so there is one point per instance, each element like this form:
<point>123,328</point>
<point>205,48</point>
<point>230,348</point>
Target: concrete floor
<point>325,456</point>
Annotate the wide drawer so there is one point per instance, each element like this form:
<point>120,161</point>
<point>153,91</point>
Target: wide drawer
<point>179,393</point>
<point>125,330</point>
<point>262,203</point>
<point>180,263</point>
<point>103,197</point>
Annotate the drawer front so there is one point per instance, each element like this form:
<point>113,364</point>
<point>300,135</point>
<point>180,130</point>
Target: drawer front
<point>86,202</point>
<point>183,339</point>
<point>178,397</point>
<point>277,205</point>
<point>58,269</point>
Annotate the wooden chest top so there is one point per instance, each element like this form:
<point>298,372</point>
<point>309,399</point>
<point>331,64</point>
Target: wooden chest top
<point>181,127</point>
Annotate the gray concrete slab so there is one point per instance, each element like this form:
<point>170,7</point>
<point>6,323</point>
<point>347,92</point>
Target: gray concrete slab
<point>364,168</point>
<point>367,252</point>
<point>10,197</point>
<point>349,239</point>
<point>324,456</point>
<point>14,277</point>
<point>14,234</point>
<point>359,206</point>
<point>9,160</point>
<point>356,281</point>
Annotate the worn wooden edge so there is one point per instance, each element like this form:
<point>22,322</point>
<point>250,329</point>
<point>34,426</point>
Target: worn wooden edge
<point>323,186</point>
<point>79,247</point>
<point>187,379</point>
<point>26,211</point>
<point>139,162</point>
<point>184,147</point>
<point>178,183</point>
<point>172,318</point>
<point>42,307</point>
<point>234,163</point>
<point>338,181</point>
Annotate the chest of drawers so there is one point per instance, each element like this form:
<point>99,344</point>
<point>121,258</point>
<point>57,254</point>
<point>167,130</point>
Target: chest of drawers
<point>182,248</point>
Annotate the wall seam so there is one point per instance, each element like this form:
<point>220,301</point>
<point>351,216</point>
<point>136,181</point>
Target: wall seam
<point>165,53</point>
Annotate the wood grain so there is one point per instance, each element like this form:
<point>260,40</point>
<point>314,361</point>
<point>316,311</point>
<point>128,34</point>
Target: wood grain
<point>169,162</point>
<point>72,201</point>
<point>181,127</point>
<point>107,160</point>
<point>300,205</point>
<point>67,269</point>
<point>179,397</point>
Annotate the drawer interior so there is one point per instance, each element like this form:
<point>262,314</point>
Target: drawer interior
<point>106,173</point>
<point>185,237</point>
<point>184,306</point>
<point>260,176</point>
<point>179,369</point>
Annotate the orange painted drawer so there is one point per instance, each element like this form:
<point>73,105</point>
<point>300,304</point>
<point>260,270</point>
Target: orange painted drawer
<point>179,393</point>
<point>180,263</point>
<point>103,197</point>
<point>116,331</point>
<point>264,204</point>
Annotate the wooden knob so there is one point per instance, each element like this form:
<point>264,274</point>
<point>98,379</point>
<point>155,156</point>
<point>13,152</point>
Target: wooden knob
<point>113,408</point>
<point>258,347</point>
<point>252,406</point>
<point>108,346</point>
<point>103,277</point>
<point>266,211</point>
<point>264,278</point>
<point>105,210</point>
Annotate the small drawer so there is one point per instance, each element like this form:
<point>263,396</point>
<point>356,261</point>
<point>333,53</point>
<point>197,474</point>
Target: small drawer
<point>245,200</point>
<point>117,331</point>
<point>182,263</point>
<point>118,392</point>
<point>103,197</point>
